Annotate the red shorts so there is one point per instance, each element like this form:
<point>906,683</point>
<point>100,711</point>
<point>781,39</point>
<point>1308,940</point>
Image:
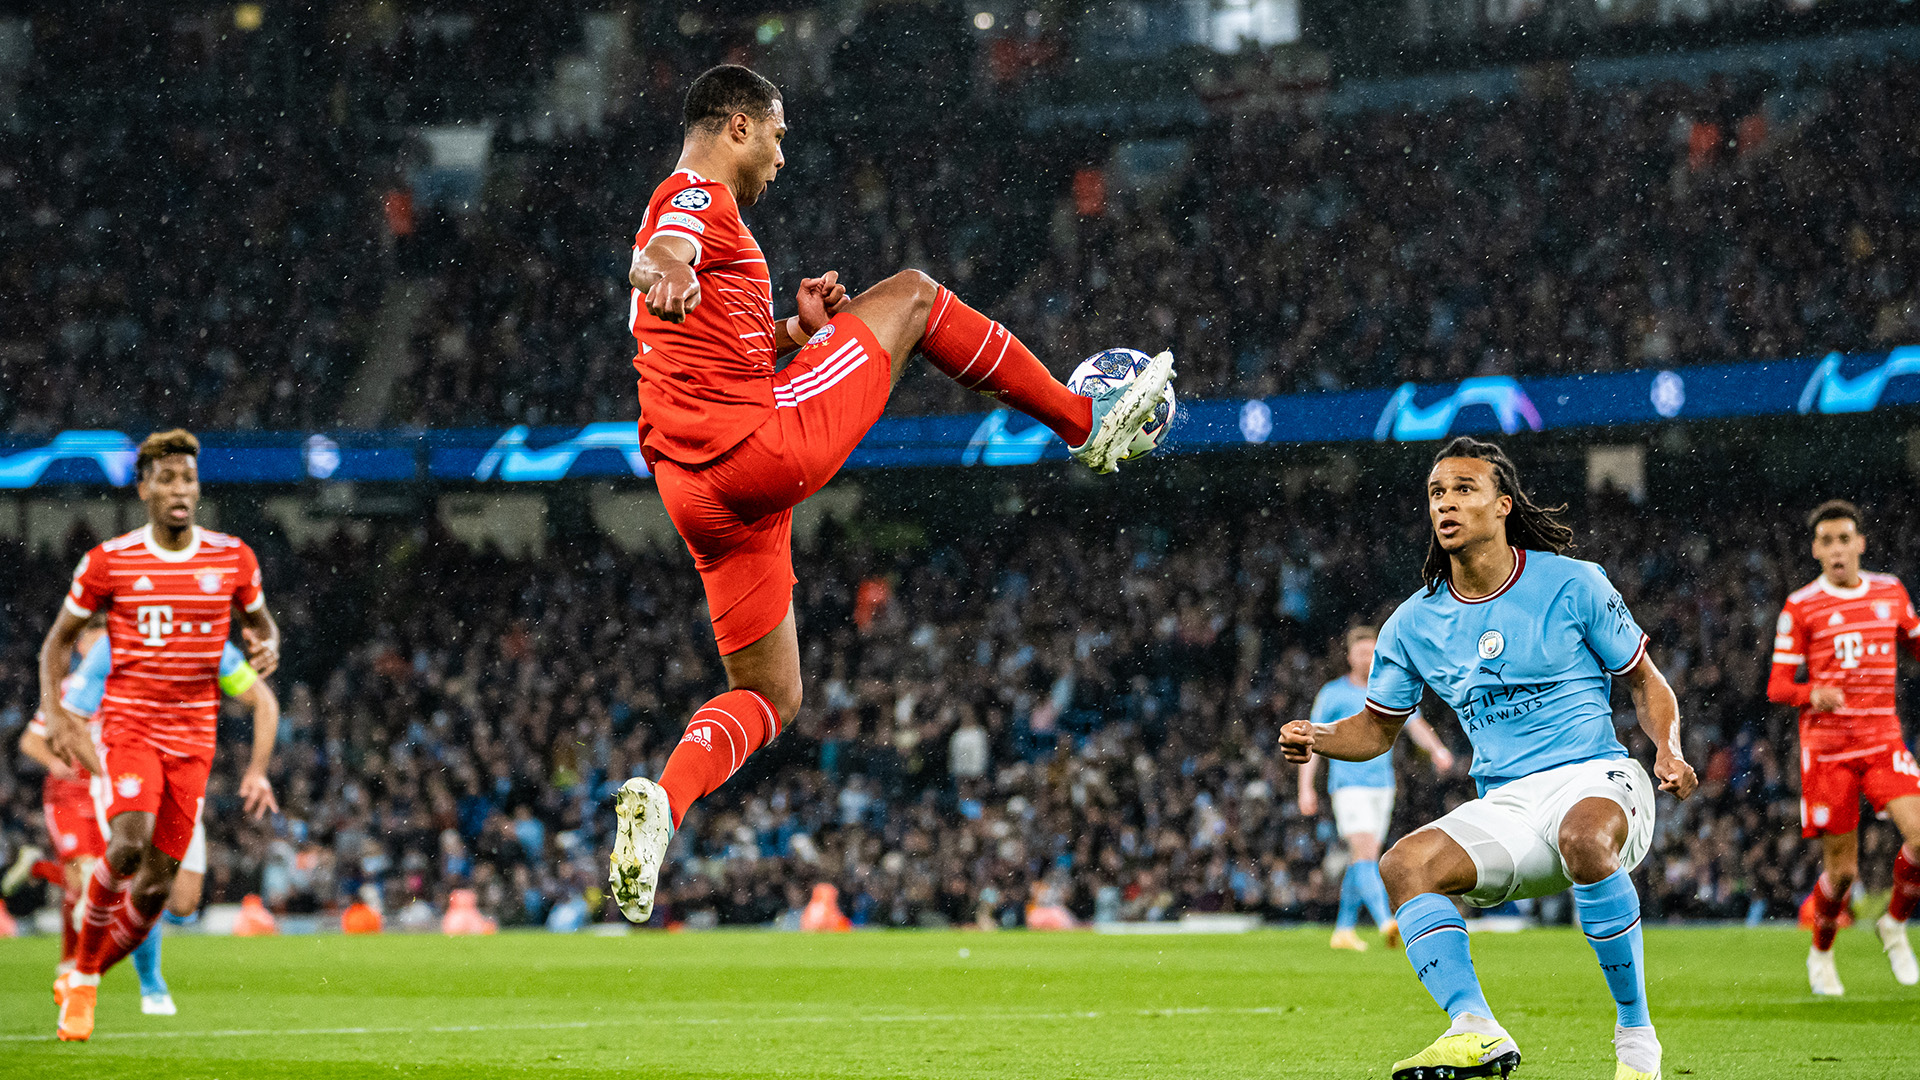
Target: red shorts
<point>137,777</point>
<point>736,511</point>
<point>1832,783</point>
<point>74,826</point>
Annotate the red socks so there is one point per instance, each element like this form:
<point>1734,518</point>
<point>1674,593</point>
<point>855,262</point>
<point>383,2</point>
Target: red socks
<point>106,895</point>
<point>1826,913</point>
<point>719,739</point>
<point>982,355</point>
<point>1906,886</point>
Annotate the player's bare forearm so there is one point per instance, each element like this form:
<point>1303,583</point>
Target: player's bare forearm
<point>55,654</point>
<point>663,272</point>
<point>1427,739</point>
<point>1659,713</point>
<point>256,792</point>
<point>1361,737</point>
<point>262,635</point>
<point>35,746</point>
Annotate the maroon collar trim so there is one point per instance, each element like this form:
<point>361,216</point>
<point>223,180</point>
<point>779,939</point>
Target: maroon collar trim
<point>1519,564</point>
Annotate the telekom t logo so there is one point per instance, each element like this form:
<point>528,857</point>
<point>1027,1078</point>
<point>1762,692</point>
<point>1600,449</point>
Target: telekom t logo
<point>1847,649</point>
<point>156,622</point>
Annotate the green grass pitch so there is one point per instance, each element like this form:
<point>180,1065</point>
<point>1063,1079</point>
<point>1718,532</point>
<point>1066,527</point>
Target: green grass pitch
<point>1729,1002</point>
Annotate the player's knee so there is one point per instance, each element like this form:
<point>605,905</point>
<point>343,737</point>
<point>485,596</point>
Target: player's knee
<point>917,290</point>
<point>123,855</point>
<point>1589,856</point>
<point>1402,873</point>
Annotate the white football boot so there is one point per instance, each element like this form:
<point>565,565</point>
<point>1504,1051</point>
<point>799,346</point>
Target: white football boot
<point>1120,413</point>
<point>640,845</point>
<point>1893,939</point>
<point>158,1005</point>
<point>1822,976</point>
<point>1637,1053</point>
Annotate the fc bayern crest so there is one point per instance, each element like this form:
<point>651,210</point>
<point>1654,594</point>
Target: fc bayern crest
<point>1882,609</point>
<point>821,334</point>
<point>1492,644</point>
<point>210,582</point>
<point>692,199</point>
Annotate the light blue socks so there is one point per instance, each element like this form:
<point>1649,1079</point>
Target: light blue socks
<point>1609,911</point>
<point>1361,886</point>
<point>1436,939</point>
<point>146,961</point>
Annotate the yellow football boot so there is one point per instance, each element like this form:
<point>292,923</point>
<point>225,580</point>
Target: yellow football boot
<point>1460,1055</point>
<point>1624,1071</point>
<point>1347,939</point>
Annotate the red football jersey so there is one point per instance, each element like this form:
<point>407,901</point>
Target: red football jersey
<point>169,615</point>
<point>705,383</point>
<point>1846,638</point>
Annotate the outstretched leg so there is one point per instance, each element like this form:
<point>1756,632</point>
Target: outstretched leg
<point>1892,926</point>
<point>910,310</point>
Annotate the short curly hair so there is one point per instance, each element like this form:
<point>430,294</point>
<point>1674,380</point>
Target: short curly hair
<point>163,444</point>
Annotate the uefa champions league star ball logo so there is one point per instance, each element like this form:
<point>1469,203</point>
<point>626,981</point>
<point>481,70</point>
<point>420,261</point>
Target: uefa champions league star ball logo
<point>692,199</point>
<point>1491,644</point>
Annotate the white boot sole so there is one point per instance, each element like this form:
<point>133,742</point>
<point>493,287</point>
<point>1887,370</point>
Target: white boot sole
<point>1128,415</point>
<point>639,846</point>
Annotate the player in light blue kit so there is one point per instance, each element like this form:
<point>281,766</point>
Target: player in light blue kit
<point>1362,796</point>
<point>1523,643</point>
<point>237,680</point>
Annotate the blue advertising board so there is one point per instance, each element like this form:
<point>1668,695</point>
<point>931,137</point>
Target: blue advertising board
<point>1832,385</point>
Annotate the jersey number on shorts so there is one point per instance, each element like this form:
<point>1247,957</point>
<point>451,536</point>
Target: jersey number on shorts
<point>155,622</point>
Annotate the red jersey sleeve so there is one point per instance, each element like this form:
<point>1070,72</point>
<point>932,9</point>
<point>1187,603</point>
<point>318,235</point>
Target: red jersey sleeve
<point>92,586</point>
<point>1789,652</point>
<point>246,590</point>
<point>700,212</point>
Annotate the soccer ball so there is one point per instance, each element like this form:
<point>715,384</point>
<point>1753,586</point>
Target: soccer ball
<point>1116,367</point>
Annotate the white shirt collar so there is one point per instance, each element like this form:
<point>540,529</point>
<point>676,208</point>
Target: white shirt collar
<point>1854,593</point>
<point>158,552</point>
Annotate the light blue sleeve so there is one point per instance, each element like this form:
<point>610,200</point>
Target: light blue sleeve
<point>1325,709</point>
<point>1394,685</point>
<point>1605,623</point>
<point>89,679</point>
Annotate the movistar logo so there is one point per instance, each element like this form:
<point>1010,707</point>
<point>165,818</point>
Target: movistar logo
<point>1403,421</point>
<point>1828,391</point>
<point>111,450</point>
<point>510,459</point>
<point>993,444</point>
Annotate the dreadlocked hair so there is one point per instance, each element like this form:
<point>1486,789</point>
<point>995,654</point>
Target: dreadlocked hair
<point>1530,526</point>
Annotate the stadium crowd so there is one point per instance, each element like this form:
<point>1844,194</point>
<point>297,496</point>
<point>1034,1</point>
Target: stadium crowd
<point>1062,713</point>
<point>217,253</point>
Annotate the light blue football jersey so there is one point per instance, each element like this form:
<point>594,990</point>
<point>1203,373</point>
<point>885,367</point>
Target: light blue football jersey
<point>87,684</point>
<point>1528,669</point>
<point>1338,700</point>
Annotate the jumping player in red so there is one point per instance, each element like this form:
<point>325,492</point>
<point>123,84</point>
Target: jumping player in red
<point>1845,627</point>
<point>170,591</point>
<point>735,444</point>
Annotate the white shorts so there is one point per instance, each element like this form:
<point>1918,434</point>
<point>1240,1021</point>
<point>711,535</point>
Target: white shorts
<point>195,860</point>
<point>1362,810</point>
<point>1513,833</point>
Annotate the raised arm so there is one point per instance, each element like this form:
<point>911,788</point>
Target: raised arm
<point>1659,712</point>
<point>663,271</point>
<point>1360,737</point>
